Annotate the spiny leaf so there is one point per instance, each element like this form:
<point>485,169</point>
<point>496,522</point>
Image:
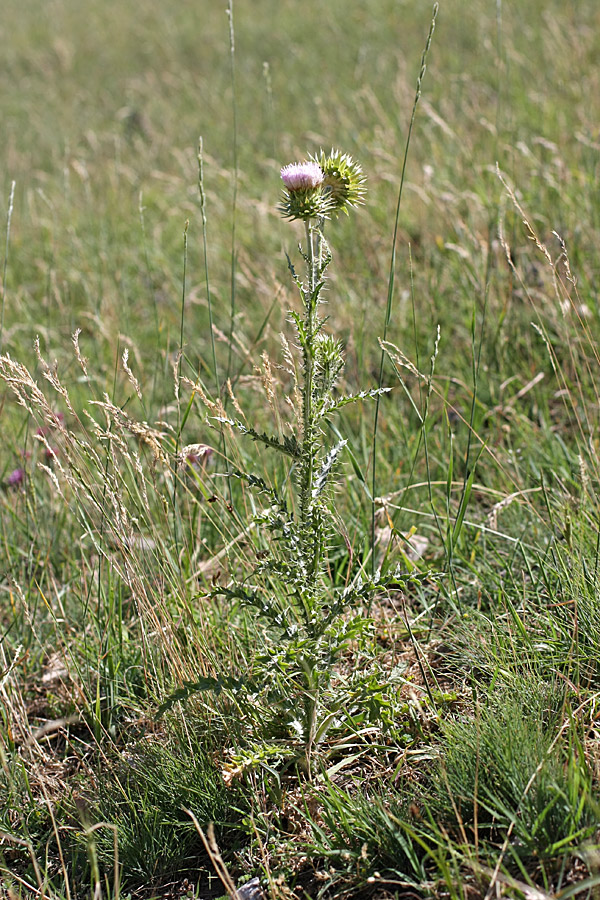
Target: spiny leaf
<point>295,277</point>
<point>265,604</point>
<point>323,474</point>
<point>363,395</point>
<point>255,481</point>
<point>288,446</point>
<point>207,683</point>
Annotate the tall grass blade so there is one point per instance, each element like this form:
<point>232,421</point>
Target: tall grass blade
<point>5,264</point>
<point>392,271</point>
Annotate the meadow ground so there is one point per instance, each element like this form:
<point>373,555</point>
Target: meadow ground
<point>437,736</point>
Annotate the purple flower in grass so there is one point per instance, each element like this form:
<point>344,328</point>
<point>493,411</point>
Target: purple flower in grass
<point>197,456</point>
<point>16,477</point>
<point>304,176</point>
<point>303,197</point>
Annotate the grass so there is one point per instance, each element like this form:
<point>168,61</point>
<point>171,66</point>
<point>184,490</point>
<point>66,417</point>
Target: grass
<point>141,697</point>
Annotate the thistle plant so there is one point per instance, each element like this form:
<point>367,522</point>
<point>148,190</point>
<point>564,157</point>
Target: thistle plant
<point>311,621</point>
<point>314,191</point>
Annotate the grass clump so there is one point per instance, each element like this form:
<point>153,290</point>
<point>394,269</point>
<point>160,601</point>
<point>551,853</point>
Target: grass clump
<point>518,769</point>
<point>148,791</point>
<point>367,841</point>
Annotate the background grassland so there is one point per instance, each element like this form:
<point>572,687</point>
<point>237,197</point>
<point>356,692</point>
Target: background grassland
<point>467,751</point>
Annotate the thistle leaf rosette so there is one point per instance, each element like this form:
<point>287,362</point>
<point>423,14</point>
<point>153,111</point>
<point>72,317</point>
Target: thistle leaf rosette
<point>304,196</point>
<point>343,180</point>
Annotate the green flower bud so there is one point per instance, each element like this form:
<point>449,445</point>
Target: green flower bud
<point>343,180</point>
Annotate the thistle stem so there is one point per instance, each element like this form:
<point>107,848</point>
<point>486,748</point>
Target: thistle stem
<point>308,429</point>
<point>310,540</point>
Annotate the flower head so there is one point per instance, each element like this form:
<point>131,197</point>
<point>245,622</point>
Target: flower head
<point>16,477</point>
<point>343,180</point>
<point>302,176</point>
<point>195,455</point>
<point>303,197</point>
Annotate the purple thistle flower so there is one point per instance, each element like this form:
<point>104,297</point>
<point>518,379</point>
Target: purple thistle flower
<point>199,454</point>
<point>195,455</point>
<point>16,477</point>
<point>304,176</point>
